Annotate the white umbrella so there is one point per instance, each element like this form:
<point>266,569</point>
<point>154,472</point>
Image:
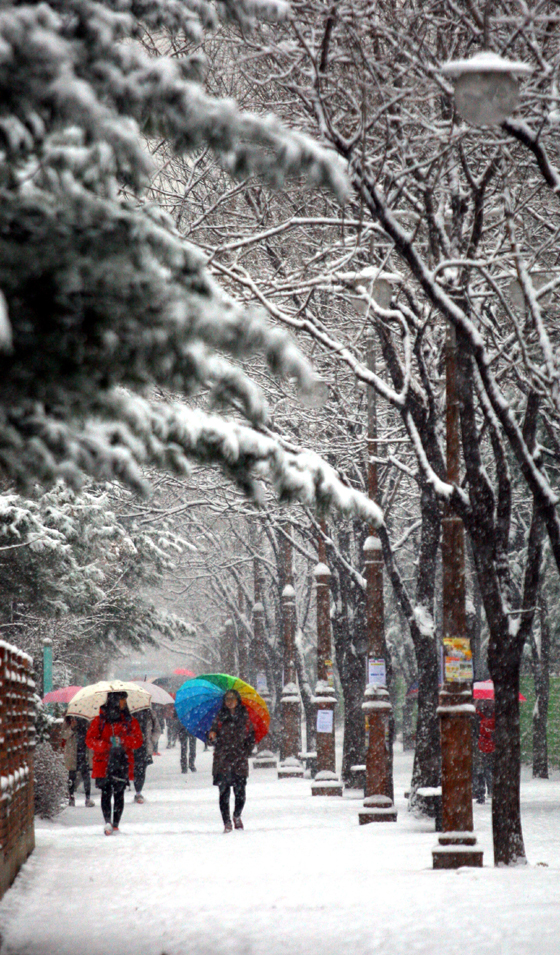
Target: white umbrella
<point>87,701</point>
<point>157,693</point>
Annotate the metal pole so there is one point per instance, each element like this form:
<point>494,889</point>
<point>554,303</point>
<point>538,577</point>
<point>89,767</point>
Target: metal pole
<point>47,666</point>
<point>326,782</point>
<point>290,703</point>
<point>457,843</point>
<point>378,804</point>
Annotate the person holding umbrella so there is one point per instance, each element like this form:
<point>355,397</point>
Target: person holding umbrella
<point>151,732</point>
<point>233,735</point>
<point>77,759</point>
<point>113,736</point>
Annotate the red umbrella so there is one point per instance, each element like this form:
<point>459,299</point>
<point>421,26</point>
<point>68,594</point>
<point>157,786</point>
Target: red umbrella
<point>176,679</point>
<point>64,695</point>
<point>485,691</point>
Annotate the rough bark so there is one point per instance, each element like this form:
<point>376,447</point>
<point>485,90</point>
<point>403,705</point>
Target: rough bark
<point>541,675</point>
<point>349,641</point>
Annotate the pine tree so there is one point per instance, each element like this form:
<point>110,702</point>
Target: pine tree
<point>105,310</point>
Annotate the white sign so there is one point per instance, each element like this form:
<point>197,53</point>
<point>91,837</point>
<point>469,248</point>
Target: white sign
<point>377,675</point>
<point>261,683</point>
<point>324,721</point>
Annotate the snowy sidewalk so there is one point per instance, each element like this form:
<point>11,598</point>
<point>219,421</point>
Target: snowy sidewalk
<point>303,878</point>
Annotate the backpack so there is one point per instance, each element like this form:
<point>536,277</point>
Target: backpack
<point>117,768</point>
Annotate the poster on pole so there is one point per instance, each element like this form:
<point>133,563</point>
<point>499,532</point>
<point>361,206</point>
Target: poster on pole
<point>458,660</point>
<point>377,674</point>
<point>324,721</point>
<point>262,686</point>
<point>329,672</point>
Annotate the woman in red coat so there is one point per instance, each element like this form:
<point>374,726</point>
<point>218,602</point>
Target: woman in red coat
<point>113,736</point>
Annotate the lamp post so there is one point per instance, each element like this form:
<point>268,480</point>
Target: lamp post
<point>326,782</point>
<point>290,766</point>
<point>264,759</point>
<point>486,87</point>
<point>486,93</point>
<point>457,843</point>
<point>378,803</point>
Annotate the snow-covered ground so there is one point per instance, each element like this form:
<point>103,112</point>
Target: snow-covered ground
<point>303,877</point>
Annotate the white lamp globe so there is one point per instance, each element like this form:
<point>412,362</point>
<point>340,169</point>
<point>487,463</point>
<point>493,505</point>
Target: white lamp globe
<point>486,87</point>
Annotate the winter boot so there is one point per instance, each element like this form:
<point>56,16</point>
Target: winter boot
<point>139,798</point>
<point>228,827</point>
<point>238,822</point>
<point>108,829</point>
<point>89,802</point>
<point>71,801</point>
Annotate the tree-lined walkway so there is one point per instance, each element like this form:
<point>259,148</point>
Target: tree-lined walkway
<point>302,878</point>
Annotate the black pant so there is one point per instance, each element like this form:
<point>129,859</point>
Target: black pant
<point>484,776</point>
<point>239,783</point>
<point>140,766</point>
<point>187,740</point>
<point>83,771</point>
<point>116,790</point>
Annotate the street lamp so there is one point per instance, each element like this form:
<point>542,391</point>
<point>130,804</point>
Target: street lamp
<point>486,93</point>
<point>290,765</point>
<point>326,782</point>
<point>378,805</point>
<point>486,87</point>
<point>457,842</point>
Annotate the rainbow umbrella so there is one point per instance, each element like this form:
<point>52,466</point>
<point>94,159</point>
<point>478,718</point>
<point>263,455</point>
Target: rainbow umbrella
<point>198,701</point>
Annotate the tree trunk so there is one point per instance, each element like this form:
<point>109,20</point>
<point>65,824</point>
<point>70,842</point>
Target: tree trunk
<point>506,807</point>
<point>427,754</point>
<point>353,685</point>
<point>541,674</point>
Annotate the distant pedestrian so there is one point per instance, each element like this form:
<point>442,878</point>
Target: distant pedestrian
<point>113,736</point>
<point>77,757</point>
<point>187,743</point>
<point>173,726</point>
<point>484,771</point>
<point>158,710</point>
<point>143,756</point>
<point>234,737</point>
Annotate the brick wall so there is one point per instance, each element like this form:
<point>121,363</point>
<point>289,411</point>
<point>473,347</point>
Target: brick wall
<point>17,740</point>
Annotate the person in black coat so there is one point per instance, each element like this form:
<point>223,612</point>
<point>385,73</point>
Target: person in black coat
<point>233,735</point>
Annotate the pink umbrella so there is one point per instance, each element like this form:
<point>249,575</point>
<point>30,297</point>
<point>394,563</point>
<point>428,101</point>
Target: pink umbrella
<point>64,695</point>
<point>180,671</point>
<point>485,691</point>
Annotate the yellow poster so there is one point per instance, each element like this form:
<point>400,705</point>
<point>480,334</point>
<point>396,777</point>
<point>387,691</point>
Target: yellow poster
<point>458,660</point>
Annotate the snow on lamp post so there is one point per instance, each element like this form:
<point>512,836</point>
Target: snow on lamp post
<point>290,765</point>
<point>486,87</point>
<point>326,782</point>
